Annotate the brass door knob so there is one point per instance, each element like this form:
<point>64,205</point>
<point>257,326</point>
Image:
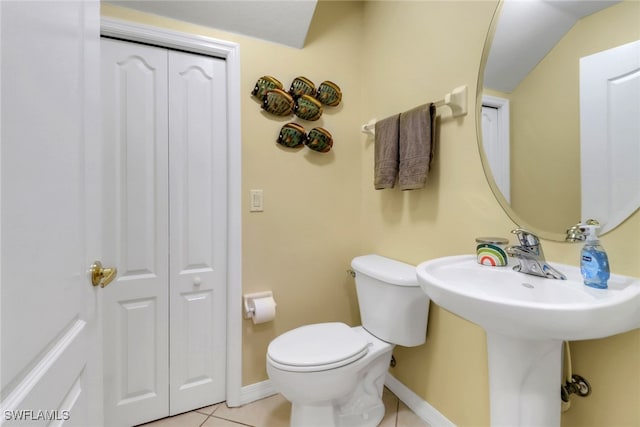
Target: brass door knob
<point>102,276</point>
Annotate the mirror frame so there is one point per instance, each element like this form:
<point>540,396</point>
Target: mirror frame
<point>547,235</point>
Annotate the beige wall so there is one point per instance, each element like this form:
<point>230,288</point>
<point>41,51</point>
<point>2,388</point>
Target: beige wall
<point>321,210</point>
<point>545,126</point>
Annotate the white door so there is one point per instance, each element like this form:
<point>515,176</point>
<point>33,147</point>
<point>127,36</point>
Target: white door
<point>496,142</point>
<point>50,228</point>
<point>165,317</point>
<point>135,306</point>
<point>198,230</point>
<point>610,134</point>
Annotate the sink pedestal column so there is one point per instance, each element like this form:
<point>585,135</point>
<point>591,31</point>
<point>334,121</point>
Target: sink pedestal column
<point>524,381</point>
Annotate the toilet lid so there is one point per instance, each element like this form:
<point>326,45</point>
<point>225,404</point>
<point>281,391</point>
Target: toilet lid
<point>316,347</point>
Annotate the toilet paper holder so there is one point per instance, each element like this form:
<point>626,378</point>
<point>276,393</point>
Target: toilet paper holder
<point>249,304</point>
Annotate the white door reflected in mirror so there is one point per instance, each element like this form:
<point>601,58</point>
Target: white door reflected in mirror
<point>496,141</point>
<point>610,134</point>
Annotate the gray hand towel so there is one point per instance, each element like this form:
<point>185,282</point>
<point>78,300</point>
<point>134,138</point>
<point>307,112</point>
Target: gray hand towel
<point>416,143</point>
<point>386,152</point>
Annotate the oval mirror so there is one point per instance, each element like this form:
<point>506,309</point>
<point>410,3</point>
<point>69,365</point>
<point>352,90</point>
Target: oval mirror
<point>559,127</point>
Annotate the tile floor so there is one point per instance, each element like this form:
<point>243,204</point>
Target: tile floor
<point>274,412</point>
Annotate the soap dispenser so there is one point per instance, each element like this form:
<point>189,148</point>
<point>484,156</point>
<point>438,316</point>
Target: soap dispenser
<point>594,263</point>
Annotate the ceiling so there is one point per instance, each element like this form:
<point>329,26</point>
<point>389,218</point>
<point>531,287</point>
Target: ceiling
<point>280,21</point>
<point>526,32</point>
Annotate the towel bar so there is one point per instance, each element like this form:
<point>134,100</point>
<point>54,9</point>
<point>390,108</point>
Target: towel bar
<point>456,100</point>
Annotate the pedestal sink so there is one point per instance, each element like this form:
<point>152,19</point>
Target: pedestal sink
<point>526,319</point>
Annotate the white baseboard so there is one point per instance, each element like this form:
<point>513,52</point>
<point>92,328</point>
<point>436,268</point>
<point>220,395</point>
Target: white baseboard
<point>420,407</point>
<point>256,391</point>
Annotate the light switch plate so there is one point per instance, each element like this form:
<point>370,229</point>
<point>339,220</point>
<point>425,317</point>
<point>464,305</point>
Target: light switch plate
<point>256,203</point>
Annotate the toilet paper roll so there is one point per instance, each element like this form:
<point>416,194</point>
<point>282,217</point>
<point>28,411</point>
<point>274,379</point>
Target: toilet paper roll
<point>264,310</point>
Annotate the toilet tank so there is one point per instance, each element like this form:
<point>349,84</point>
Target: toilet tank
<point>393,307</point>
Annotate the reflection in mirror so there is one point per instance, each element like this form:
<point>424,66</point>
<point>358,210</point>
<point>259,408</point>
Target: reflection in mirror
<point>531,125</point>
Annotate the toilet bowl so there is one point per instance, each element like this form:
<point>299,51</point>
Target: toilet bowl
<point>345,392</point>
<point>333,374</point>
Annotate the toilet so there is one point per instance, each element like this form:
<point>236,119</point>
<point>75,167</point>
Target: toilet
<point>333,374</point>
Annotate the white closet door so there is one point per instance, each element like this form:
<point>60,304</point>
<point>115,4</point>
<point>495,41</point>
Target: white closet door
<point>198,192</point>
<point>135,306</point>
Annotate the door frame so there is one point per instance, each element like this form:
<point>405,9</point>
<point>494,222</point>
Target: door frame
<point>230,52</point>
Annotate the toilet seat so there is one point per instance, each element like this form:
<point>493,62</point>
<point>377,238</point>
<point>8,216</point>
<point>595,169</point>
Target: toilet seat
<point>317,347</point>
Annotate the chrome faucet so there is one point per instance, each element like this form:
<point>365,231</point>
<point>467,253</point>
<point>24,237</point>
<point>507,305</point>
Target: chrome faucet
<point>531,257</point>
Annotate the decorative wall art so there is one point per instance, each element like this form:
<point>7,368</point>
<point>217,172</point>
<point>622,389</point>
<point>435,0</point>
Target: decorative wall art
<point>305,102</point>
<point>278,102</point>
<point>264,84</point>
<point>292,135</point>
<point>319,139</point>
<point>308,108</point>
<point>302,86</point>
<point>329,94</point>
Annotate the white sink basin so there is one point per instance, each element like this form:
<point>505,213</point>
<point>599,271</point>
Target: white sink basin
<point>526,319</point>
<point>525,306</point>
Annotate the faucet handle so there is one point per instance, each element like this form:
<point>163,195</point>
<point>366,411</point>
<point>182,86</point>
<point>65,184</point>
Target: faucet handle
<point>525,237</point>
